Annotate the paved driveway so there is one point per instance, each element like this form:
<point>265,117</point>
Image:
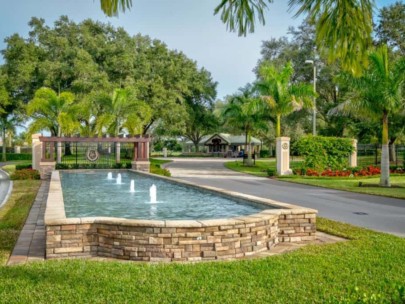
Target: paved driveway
<point>5,187</point>
<point>375,212</point>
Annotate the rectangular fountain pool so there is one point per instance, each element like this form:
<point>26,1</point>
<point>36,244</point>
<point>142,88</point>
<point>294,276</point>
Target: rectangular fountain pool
<point>108,194</point>
<point>144,230</point>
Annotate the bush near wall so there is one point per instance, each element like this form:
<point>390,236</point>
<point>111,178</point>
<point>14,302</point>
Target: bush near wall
<point>25,174</point>
<point>322,153</point>
<point>15,156</point>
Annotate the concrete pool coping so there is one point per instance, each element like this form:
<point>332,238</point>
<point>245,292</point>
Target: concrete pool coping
<point>189,240</point>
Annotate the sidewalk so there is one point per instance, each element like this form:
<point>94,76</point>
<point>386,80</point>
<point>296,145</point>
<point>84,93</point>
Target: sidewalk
<point>30,245</point>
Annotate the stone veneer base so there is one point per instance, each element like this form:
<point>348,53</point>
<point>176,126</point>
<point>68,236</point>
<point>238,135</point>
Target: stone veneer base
<point>173,240</point>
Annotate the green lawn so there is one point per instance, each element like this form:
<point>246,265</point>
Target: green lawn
<point>369,266</point>
<point>339,183</point>
<point>260,169</point>
<point>352,184</point>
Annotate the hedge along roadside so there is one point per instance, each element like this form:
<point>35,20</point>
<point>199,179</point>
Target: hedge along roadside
<point>322,153</point>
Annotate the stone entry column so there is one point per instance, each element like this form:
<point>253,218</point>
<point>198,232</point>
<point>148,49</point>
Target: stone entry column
<point>283,155</point>
<point>353,155</point>
<point>117,152</point>
<point>36,151</point>
<point>141,162</point>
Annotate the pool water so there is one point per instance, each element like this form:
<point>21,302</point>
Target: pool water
<point>90,194</point>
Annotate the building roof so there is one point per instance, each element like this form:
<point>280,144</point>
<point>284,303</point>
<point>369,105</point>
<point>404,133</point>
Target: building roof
<point>229,139</point>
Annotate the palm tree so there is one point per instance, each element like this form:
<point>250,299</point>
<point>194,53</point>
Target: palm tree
<point>112,7</point>
<point>281,96</point>
<point>245,112</point>
<point>343,27</point>
<point>377,94</point>
<point>52,112</point>
<point>122,110</point>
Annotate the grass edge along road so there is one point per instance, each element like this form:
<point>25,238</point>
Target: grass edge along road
<point>369,266</point>
<point>339,183</point>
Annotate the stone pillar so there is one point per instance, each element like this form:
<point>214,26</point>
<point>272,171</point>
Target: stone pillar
<point>164,152</point>
<point>141,163</point>
<point>117,152</point>
<point>17,149</point>
<point>353,155</point>
<point>283,155</point>
<point>36,151</point>
<point>59,152</point>
<point>146,156</point>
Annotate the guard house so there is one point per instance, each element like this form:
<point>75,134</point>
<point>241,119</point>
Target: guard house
<point>227,145</point>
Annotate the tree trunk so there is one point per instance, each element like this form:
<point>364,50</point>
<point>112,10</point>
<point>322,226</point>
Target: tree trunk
<point>278,126</point>
<point>385,161</point>
<point>196,146</point>
<point>249,148</point>
<point>59,148</point>
<point>393,156</point>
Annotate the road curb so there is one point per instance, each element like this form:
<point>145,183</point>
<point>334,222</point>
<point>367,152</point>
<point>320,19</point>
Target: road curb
<point>10,188</point>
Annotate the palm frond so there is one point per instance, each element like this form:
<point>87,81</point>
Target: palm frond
<point>240,15</point>
<point>113,7</point>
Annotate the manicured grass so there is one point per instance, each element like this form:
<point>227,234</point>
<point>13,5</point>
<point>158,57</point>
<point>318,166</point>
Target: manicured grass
<point>14,213</point>
<point>370,265</point>
<point>260,169</point>
<point>339,183</point>
<point>10,168</point>
<point>352,184</point>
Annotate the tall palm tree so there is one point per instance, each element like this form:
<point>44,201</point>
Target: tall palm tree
<point>122,110</point>
<point>343,27</point>
<point>245,112</point>
<point>377,94</point>
<point>53,112</point>
<point>281,96</point>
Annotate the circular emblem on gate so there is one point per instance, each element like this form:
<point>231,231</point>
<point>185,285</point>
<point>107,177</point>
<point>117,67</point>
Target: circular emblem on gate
<point>284,146</point>
<point>92,154</point>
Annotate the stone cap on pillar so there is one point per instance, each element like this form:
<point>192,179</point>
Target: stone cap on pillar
<point>35,137</point>
<point>282,138</point>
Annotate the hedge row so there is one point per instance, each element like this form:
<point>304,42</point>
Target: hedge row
<point>322,153</point>
<point>15,156</point>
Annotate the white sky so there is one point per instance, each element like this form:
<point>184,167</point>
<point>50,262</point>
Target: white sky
<point>186,25</point>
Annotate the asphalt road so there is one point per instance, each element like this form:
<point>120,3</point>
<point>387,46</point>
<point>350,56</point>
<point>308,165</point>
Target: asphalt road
<point>5,185</point>
<point>374,212</point>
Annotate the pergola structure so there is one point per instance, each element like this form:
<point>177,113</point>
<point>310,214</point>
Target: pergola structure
<point>91,151</point>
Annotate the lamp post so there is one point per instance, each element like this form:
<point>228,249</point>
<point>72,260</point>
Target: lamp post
<point>314,98</point>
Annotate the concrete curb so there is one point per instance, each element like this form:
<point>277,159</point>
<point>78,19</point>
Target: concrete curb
<point>10,188</point>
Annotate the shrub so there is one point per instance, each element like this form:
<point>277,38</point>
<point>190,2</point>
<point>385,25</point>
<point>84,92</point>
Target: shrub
<point>17,156</point>
<point>271,172</point>
<point>25,174</point>
<point>155,169</point>
<point>61,166</point>
<point>322,153</point>
<point>117,166</point>
<point>23,166</point>
<point>264,153</point>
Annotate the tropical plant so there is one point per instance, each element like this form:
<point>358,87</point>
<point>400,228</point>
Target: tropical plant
<point>343,27</point>
<point>282,96</point>
<point>378,94</point>
<point>122,110</point>
<point>53,112</point>
<point>112,7</point>
<point>245,112</point>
